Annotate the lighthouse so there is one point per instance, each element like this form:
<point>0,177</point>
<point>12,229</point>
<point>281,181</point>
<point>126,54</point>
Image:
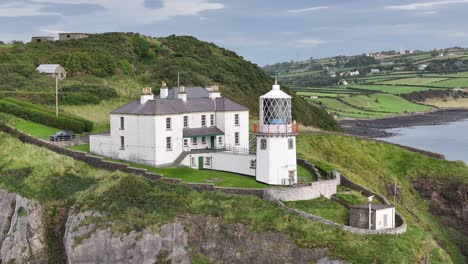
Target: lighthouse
<point>276,139</point>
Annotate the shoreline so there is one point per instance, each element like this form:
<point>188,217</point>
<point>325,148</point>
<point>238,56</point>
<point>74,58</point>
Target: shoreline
<point>376,128</point>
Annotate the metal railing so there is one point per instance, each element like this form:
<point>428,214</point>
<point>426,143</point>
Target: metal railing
<point>277,129</point>
<point>219,148</point>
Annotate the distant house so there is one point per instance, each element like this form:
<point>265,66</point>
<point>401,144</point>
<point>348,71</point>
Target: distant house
<point>343,82</point>
<point>374,70</point>
<point>41,39</point>
<point>382,216</point>
<point>332,74</point>
<point>354,73</point>
<point>53,70</point>
<point>422,67</point>
<point>69,36</point>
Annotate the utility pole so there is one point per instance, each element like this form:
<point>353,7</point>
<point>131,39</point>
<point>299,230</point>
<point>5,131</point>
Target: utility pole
<point>178,79</point>
<point>56,94</point>
<point>370,210</point>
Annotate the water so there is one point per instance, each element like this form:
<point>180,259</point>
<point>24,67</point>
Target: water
<point>450,139</point>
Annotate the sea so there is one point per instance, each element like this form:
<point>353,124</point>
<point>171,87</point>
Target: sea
<point>449,139</point>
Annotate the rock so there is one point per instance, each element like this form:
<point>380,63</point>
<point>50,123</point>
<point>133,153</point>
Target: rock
<point>22,231</point>
<point>236,243</point>
<point>87,244</point>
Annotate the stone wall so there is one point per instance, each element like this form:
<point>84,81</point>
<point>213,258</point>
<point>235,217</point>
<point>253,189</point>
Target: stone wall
<point>325,188</point>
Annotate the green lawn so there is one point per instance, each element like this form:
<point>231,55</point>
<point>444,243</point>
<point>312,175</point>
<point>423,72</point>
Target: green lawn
<point>324,208</point>
<point>452,83</point>
<point>413,81</point>
<point>391,89</point>
<point>385,103</point>
<point>305,173</point>
<point>31,128</point>
<point>82,147</point>
<point>218,178</point>
<point>333,105</point>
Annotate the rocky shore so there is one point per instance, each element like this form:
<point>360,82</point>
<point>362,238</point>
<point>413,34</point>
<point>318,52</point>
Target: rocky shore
<point>376,128</point>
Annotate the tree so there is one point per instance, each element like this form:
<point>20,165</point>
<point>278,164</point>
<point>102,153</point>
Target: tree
<point>2,43</point>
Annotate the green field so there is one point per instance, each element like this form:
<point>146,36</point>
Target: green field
<point>385,103</point>
<point>452,83</point>
<point>34,129</point>
<point>391,89</point>
<point>344,110</point>
<point>413,81</point>
<point>324,208</point>
<point>82,148</point>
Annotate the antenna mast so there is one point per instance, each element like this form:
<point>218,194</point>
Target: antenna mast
<point>56,94</point>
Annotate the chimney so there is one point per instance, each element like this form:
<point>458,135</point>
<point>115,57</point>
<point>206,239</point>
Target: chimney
<point>164,91</point>
<point>214,92</point>
<point>182,95</point>
<point>146,95</point>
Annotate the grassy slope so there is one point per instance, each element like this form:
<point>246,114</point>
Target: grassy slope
<point>386,103</point>
<point>132,202</point>
<point>375,165</point>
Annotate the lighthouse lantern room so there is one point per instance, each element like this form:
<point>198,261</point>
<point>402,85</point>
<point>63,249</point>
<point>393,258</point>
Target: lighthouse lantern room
<point>276,139</point>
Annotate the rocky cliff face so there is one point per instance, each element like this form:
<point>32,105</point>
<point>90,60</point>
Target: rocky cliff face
<point>450,203</point>
<point>21,230</point>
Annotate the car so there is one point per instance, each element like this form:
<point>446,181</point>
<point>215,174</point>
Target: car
<point>65,135</point>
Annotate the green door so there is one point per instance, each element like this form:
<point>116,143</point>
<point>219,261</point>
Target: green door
<point>213,142</point>
<point>200,163</point>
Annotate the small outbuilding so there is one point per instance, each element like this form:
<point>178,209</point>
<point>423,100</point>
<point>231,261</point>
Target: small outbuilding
<point>53,70</point>
<point>382,216</point>
<point>42,39</point>
<point>69,36</point>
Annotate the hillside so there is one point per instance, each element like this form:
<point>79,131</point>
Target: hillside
<point>399,83</point>
<point>109,69</point>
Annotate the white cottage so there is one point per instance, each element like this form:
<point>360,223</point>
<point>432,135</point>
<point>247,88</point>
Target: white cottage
<point>53,70</point>
<point>158,130</point>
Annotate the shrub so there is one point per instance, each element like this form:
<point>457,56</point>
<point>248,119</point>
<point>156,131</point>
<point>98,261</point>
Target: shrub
<point>38,115</point>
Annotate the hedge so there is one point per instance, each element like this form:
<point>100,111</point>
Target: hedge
<point>88,124</point>
<point>42,117</point>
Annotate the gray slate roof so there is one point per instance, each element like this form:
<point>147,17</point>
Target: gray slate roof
<point>203,131</point>
<point>373,207</point>
<point>197,101</point>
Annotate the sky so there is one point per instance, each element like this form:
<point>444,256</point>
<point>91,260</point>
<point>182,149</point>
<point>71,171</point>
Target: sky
<point>262,31</point>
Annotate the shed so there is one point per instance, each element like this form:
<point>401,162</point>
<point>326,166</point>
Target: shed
<point>383,216</point>
<point>53,70</point>
<point>40,39</point>
<point>69,36</point>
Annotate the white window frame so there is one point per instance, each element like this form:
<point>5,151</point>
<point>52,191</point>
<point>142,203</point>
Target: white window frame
<point>211,120</point>
<point>236,120</point>
<point>203,120</point>
<point>263,143</point>
<point>168,143</point>
<point>208,161</point>
<point>237,138</point>
<point>194,141</point>
<point>186,123</point>
<point>168,123</point>
<point>220,140</point>
<point>253,164</point>
<point>203,140</point>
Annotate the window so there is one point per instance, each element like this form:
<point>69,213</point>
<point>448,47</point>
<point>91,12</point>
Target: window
<point>203,140</point>
<point>385,221</point>
<point>253,164</point>
<point>194,141</point>
<point>208,161</point>
<point>263,143</point>
<point>211,120</point>
<point>203,120</point>
<point>168,123</point>
<point>236,119</point>
<point>291,143</point>
<point>220,140</point>
<point>122,142</point>
<point>168,143</point>
<point>185,121</point>
<point>236,138</point>
<point>185,142</point>
<point>122,123</point>
<point>68,36</point>
<point>193,161</point>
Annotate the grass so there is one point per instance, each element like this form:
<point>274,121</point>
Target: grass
<point>305,173</point>
<point>385,103</point>
<point>375,165</point>
<point>414,81</point>
<point>453,103</point>
<point>32,128</point>
<point>391,89</point>
<point>324,208</point>
<point>452,83</point>
<point>344,110</point>
<point>82,147</point>
<point>130,202</point>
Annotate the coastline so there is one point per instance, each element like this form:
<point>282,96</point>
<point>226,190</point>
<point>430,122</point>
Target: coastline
<point>376,128</point>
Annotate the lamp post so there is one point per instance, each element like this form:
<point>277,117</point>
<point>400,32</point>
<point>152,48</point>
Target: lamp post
<point>370,210</point>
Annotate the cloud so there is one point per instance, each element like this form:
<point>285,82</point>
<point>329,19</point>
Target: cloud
<point>309,9</point>
<point>308,42</point>
<point>424,5</point>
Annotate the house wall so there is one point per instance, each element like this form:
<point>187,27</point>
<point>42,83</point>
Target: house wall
<point>164,156</point>
<point>275,162</point>
<point>379,218</point>
<point>69,36</point>
<point>223,161</point>
<point>41,39</point>
<point>226,123</point>
<point>359,217</point>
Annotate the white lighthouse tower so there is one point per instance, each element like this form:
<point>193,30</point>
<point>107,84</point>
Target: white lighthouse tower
<point>276,139</point>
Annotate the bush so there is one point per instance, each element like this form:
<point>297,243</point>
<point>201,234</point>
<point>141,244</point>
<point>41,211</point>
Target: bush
<point>36,114</point>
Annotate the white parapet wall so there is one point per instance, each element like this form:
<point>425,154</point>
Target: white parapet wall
<point>222,161</point>
<point>325,188</point>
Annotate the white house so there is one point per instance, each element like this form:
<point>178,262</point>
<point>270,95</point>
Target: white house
<point>53,70</point>
<point>374,70</point>
<point>157,130</point>
<point>422,67</point>
<point>198,128</point>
